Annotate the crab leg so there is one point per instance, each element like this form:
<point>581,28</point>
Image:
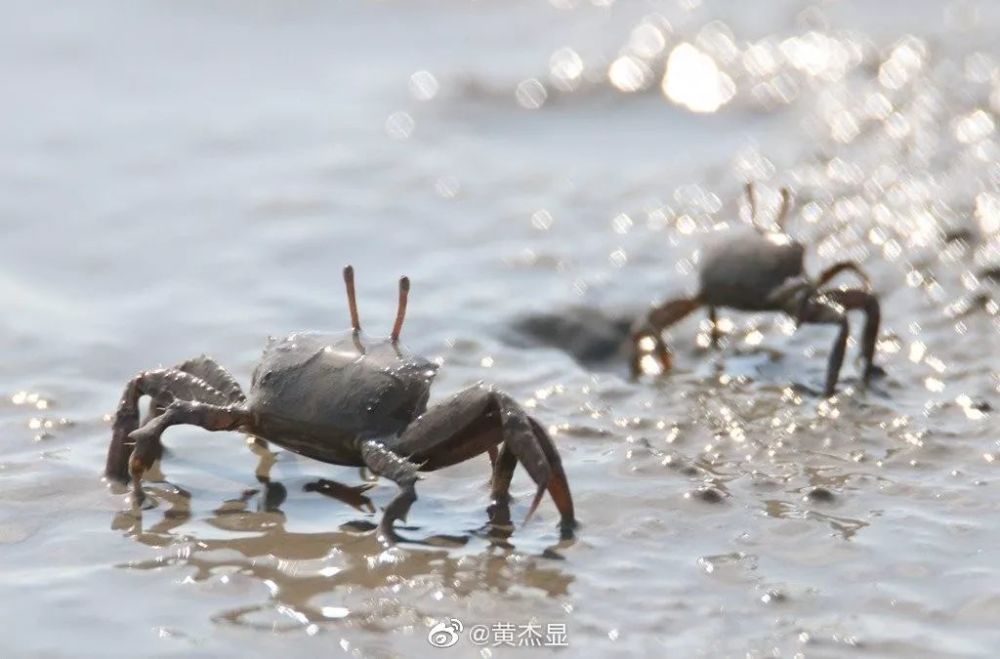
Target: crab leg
<point>476,420</point>
<point>858,299</point>
<point>163,386</point>
<point>821,311</point>
<point>558,486</point>
<point>830,308</point>
<point>652,326</point>
<point>714,333</point>
<point>210,371</point>
<point>383,461</point>
<point>843,266</point>
<point>504,467</point>
<point>147,438</point>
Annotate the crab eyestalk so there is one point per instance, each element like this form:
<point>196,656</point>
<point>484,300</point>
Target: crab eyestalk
<point>404,294</point>
<point>352,300</point>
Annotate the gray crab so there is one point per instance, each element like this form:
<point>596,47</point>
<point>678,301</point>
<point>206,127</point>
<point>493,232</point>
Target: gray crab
<point>343,400</point>
<point>759,270</point>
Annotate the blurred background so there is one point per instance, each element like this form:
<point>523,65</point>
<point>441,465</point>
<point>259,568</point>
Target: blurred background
<point>188,177</point>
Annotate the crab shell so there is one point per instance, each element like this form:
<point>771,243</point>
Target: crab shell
<point>747,268</point>
<point>337,388</point>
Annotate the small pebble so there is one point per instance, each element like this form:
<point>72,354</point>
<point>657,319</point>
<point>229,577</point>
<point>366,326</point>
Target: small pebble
<point>821,494</point>
<point>707,494</point>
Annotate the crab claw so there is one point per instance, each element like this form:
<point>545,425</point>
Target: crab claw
<point>534,504</point>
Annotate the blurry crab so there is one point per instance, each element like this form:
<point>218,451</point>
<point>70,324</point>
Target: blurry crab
<point>753,269</point>
<point>747,269</point>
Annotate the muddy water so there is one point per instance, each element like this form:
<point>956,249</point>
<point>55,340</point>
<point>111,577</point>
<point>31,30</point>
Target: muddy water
<point>178,178</point>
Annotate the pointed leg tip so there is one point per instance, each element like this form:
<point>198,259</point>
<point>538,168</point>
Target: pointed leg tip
<point>568,529</point>
<point>534,504</point>
<point>139,499</point>
<point>387,537</point>
<point>116,479</point>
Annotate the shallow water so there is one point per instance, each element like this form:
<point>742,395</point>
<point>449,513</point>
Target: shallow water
<point>190,177</point>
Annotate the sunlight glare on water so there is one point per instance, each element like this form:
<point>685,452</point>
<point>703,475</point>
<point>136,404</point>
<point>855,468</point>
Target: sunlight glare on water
<point>694,80</point>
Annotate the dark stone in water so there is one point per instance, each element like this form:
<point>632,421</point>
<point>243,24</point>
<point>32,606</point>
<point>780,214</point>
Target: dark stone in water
<point>821,495</point>
<point>708,495</point>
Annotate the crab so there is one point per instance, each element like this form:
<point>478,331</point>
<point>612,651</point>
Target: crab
<point>345,400</point>
<point>756,269</point>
